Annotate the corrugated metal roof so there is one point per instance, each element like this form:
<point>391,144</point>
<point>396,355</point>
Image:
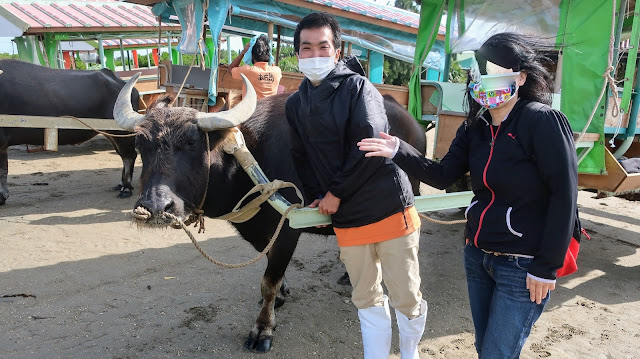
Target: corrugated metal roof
<point>73,16</point>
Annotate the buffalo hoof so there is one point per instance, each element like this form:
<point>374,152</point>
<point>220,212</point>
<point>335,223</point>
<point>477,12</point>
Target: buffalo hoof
<point>257,343</point>
<point>125,192</point>
<point>2,200</point>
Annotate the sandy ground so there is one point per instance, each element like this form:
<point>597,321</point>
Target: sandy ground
<point>78,280</point>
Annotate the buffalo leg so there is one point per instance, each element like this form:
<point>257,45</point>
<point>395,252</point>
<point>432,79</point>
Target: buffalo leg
<point>4,171</point>
<point>261,336</point>
<point>125,147</point>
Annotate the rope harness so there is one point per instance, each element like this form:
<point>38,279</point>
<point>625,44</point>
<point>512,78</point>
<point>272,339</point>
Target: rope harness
<point>238,214</point>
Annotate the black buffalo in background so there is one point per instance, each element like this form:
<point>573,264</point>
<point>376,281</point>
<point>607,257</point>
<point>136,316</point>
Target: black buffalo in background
<point>172,144</point>
<point>32,90</point>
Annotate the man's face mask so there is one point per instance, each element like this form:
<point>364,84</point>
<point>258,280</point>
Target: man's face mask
<point>493,86</point>
<point>316,68</point>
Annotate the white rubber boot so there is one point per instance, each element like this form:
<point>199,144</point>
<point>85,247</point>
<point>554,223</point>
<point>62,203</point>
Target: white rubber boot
<point>411,332</point>
<point>375,324</point>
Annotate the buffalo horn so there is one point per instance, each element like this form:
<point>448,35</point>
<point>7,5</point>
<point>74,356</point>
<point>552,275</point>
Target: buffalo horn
<point>123,112</point>
<point>231,118</point>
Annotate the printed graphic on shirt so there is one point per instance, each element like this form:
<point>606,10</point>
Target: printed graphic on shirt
<point>266,77</point>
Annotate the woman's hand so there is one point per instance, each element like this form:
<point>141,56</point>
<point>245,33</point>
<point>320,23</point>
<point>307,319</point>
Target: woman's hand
<point>538,290</point>
<point>381,147</point>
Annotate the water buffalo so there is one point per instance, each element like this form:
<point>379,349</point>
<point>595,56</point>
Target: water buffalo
<point>28,89</point>
<point>172,144</point>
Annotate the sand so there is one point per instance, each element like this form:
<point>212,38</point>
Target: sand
<point>78,280</point>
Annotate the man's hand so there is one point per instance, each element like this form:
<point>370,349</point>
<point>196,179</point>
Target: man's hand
<point>538,290</point>
<point>329,204</point>
<point>246,47</point>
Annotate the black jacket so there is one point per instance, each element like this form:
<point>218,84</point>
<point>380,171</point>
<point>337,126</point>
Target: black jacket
<point>327,122</point>
<point>524,178</point>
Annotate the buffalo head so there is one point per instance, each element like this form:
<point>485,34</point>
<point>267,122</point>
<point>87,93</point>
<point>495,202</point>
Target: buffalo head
<point>172,142</point>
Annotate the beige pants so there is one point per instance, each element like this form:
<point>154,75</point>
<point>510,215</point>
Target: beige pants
<point>396,262</point>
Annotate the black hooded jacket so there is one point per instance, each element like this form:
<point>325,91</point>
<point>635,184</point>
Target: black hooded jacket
<point>524,178</point>
<point>327,121</point>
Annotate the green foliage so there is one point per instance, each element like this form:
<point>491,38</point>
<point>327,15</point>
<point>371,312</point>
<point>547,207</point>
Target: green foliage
<point>5,55</point>
<point>457,74</point>
<point>397,72</point>
<point>410,5</point>
<point>224,57</point>
<point>80,65</point>
<point>288,59</point>
<point>143,61</point>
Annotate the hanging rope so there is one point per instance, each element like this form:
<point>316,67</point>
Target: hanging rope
<point>195,56</point>
<point>98,131</point>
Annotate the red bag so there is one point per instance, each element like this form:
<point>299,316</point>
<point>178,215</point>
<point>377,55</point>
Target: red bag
<point>570,260</point>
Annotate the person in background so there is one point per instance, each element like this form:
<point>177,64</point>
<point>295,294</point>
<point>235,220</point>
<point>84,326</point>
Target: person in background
<point>370,199</point>
<point>264,77</point>
<point>523,167</point>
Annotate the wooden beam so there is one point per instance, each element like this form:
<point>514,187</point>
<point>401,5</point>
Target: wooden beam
<point>100,29</point>
<point>51,122</point>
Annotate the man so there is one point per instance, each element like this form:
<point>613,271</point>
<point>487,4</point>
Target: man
<point>264,77</point>
<point>370,199</point>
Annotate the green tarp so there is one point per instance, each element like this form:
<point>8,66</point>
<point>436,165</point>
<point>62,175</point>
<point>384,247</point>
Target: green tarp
<point>430,15</point>
<point>586,31</point>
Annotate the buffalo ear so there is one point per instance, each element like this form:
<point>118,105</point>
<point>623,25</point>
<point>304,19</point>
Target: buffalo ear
<point>161,102</point>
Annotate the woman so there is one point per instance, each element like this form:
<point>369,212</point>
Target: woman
<point>523,167</point>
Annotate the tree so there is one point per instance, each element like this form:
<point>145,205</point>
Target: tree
<point>410,5</point>
<point>288,60</point>
<point>397,72</point>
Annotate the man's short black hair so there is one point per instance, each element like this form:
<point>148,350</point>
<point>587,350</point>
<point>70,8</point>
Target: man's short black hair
<point>261,51</point>
<point>318,20</point>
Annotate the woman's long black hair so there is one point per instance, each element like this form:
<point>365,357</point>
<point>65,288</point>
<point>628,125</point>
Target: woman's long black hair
<point>529,52</point>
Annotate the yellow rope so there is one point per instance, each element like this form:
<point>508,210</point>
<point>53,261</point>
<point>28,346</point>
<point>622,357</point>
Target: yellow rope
<point>236,265</point>
<point>442,222</point>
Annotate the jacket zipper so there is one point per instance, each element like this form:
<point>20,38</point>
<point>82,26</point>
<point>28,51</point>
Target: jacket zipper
<point>484,180</point>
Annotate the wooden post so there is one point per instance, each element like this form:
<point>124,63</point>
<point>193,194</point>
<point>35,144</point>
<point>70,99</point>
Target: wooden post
<point>270,32</point>
<point>122,54</point>
<point>278,45</point>
<point>229,57</point>
<point>349,49</point>
<point>368,64</point>
<point>50,139</point>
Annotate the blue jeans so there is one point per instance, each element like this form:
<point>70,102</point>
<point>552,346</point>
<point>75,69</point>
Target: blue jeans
<point>502,310</point>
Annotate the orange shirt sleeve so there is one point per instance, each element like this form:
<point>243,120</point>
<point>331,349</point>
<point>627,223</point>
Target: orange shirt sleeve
<point>236,71</point>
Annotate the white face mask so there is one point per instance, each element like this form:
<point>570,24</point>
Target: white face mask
<point>316,68</point>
